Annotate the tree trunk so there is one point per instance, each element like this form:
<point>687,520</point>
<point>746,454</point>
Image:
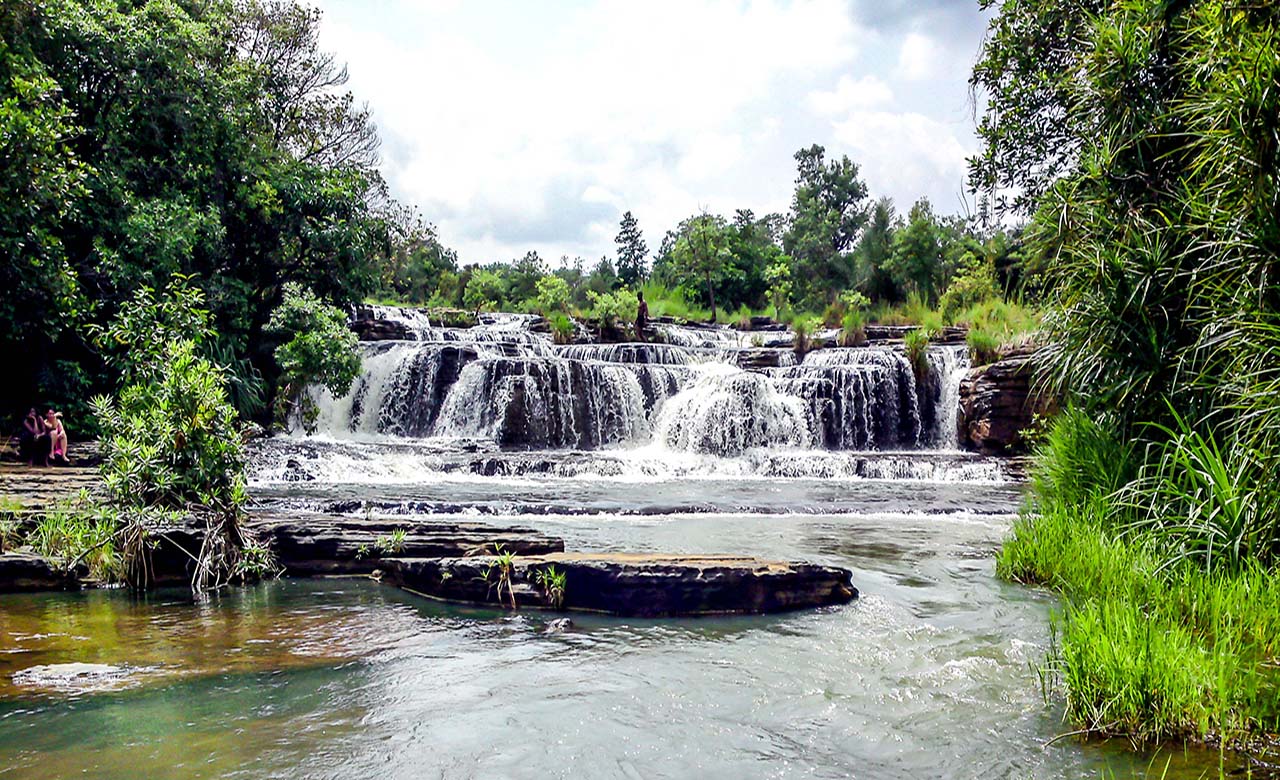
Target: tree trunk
<point>711,292</point>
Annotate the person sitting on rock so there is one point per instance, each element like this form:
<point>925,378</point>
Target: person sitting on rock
<point>57,436</point>
<point>34,442</point>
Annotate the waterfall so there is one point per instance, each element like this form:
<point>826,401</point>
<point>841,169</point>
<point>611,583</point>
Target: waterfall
<point>950,363</point>
<point>728,411</point>
<point>502,382</point>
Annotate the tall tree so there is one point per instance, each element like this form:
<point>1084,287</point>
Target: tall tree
<point>874,253</point>
<point>917,262</point>
<point>702,250</point>
<point>827,212</point>
<point>631,252</point>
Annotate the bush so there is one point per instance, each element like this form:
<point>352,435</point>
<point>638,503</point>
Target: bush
<point>804,327</point>
<point>917,345</point>
<point>562,328</point>
<point>973,284</point>
<point>484,292</point>
<point>321,350</point>
<point>613,309</point>
<point>984,346</point>
<point>552,296</point>
<point>853,331</point>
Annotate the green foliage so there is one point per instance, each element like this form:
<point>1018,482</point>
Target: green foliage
<point>778,274</point>
<point>666,302</point>
<point>562,328</point>
<point>320,350</point>
<point>484,291</point>
<point>171,441</point>
<point>553,295</point>
<point>916,342</point>
<point>78,531</point>
<point>148,140</point>
<point>973,284</point>
<point>135,340</point>
<point>828,211</point>
<point>804,328</point>
<point>553,583</point>
<point>853,331</point>
<point>702,252</point>
<point>611,310</point>
<point>631,252</point>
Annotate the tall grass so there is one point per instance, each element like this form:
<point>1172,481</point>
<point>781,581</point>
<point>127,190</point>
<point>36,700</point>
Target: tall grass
<point>1151,644</point>
<point>667,302</point>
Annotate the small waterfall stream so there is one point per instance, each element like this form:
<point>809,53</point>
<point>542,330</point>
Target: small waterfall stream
<point>504,383</point>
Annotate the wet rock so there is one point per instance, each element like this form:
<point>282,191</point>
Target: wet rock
<point>308,545</point>
<point>634,585</point>
<point>997,404</point>
<point>558,626</point>
<point>73,677</point>
<point>21,572</point>
<point>762,357</point>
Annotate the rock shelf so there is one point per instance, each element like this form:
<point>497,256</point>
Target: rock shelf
<point>629,584</point>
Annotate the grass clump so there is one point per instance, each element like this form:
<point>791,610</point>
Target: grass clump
<point>1153,643</point>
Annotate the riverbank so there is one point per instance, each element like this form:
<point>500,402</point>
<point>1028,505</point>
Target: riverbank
<point>1149,652</point>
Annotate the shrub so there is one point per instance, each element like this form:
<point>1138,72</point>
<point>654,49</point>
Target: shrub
<point>853,331</point>
<point>973,284</point>
<point>552,296</point>
<point>804,327</point>
<point>321,350</point>
<point>484,292</point>
<point>917,344</point>
<point>613,309</point>
<point>984,347</point>
<point>562,328</point>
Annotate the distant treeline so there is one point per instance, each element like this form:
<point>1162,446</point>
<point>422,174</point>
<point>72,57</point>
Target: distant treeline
<point>835,239</point>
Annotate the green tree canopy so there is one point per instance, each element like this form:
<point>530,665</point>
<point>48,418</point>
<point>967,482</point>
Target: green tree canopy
<point>631,252</point>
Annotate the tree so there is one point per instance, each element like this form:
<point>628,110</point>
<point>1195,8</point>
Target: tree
<point>220,148</point>
<point>631,252</point>
<point>553,295</point>
<point>827,212</point>
<point>320,350</point>
<point>484,290</point>
<point>702,251</point>
<point>873,253</point>
<point>779,275</point>
<point>917,262</point>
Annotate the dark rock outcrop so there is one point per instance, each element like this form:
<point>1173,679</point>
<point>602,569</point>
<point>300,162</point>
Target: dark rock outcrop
<point>633,585</point>
<point>998,403</point>
<point>20,572</point>
<point>328,544</point>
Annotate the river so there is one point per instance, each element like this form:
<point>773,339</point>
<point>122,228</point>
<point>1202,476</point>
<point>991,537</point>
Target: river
<point>931,673</point>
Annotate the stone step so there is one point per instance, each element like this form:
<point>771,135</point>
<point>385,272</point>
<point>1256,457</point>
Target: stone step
<point>628,584</point>
<point>335,544</point>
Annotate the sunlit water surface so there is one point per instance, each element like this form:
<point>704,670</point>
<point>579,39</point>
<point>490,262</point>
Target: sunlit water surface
<point>930,674</point>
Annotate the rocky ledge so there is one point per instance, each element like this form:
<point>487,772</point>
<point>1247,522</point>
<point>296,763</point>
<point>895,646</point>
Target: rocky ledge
<point>21,572</point>
<point>308,545</point>
<point>631,585</point>
<point>998,403</point>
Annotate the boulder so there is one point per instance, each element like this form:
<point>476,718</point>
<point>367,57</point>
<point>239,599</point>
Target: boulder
<point>307,545</point>
<point>21,572</point>
<point>628,584</point>
<point>998,403</point>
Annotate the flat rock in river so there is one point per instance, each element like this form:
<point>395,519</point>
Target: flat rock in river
<point>336,544</point>
<point>630,584</point>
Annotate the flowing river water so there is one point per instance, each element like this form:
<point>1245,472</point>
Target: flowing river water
<point>931,673</point>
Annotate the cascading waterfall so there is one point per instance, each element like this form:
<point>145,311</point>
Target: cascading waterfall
<point>949,363</point>
<point>502,382</point>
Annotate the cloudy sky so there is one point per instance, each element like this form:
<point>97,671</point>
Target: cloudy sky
<point>515,125</point>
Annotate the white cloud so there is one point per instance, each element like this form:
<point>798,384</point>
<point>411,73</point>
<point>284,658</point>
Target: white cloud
<point>849,94</point>
<point>538,132</point>
<point>910,154</point>
<point>918,58</point>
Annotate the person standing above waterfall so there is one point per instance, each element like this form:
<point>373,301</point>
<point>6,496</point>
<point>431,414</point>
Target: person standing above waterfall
<point>642,315</point>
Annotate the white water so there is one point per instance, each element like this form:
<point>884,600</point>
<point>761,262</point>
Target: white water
<point>502,383</point>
